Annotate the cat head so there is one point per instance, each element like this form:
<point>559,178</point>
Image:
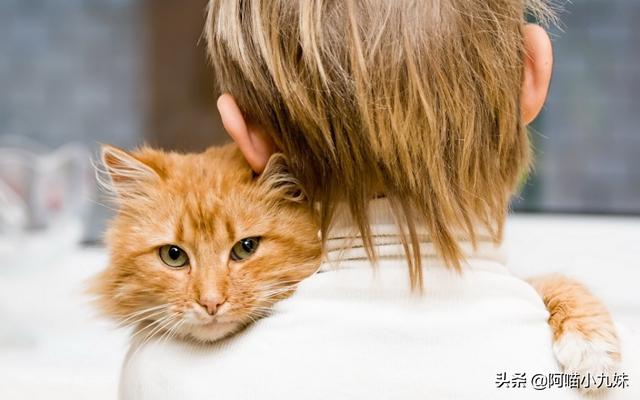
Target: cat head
<point>200,246</point>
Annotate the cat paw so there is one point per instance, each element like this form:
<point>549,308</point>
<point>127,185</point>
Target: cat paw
<point>588,357</point>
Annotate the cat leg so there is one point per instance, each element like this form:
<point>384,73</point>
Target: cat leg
<point>584,337</point>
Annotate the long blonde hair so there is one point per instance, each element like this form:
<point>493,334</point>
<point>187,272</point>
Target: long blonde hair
<point>418,100</point>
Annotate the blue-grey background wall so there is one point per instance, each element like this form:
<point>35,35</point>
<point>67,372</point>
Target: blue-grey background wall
<point>72,70</point>
<point>587,139</point>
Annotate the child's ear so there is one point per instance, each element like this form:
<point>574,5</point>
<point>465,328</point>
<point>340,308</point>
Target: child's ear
<point>277,178</point>
<point>253,140</point>
<point>124,173</point>
<point>538,63</point>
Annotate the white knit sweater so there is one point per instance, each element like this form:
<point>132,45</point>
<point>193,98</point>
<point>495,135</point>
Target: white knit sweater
<point>356,332</point>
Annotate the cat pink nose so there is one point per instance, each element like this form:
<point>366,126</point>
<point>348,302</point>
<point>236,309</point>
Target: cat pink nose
<point>212,302</point>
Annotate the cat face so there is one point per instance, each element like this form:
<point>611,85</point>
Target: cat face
<point>199,246</point>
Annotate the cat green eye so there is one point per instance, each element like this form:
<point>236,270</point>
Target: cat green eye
<point>244,248</point>
<point>173,256</point>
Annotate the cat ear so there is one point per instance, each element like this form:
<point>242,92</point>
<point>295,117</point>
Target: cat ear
<point>278,178</point>
<point>123,174</point>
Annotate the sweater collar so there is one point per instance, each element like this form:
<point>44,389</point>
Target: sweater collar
<point>344,242</point>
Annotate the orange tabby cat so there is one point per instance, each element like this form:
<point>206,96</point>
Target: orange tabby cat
<point>200,247</point>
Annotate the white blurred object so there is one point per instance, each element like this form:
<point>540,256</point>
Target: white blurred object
<point>59,348</point>
<point>13,211</point>
<point>44,199</point>
<point>51,344</point>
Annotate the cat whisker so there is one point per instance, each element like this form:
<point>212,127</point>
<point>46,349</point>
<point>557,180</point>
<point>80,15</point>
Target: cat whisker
<point>103,205</point>
<point>165,327</point>
<point>151,325</point>
<point>142,319</point>
<point>283,282</point>
<point>277,290</point>
<point>280,287</point>
<point>259,310</point>
<point>285,287</point>
<point>274,293</point>
<point>160,328</point>
<point>176,329</point>
<point>149,335</point>
<point>115,210</point>
<point>141,315</point>
<point>169,332</point>
<point>253,318</point>
<point>274,296</point>
<point>133,314</point>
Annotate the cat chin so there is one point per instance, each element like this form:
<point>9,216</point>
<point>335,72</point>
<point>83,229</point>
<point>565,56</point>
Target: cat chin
<point>213,331</point>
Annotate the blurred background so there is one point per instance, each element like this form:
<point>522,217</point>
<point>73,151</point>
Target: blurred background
<point>587,139</point>
<point>77,73</point>
<point>106,71</point>
<point>126,72</point>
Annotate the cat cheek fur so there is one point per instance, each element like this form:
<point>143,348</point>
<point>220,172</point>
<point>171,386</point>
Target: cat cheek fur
<point>129,287</point>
